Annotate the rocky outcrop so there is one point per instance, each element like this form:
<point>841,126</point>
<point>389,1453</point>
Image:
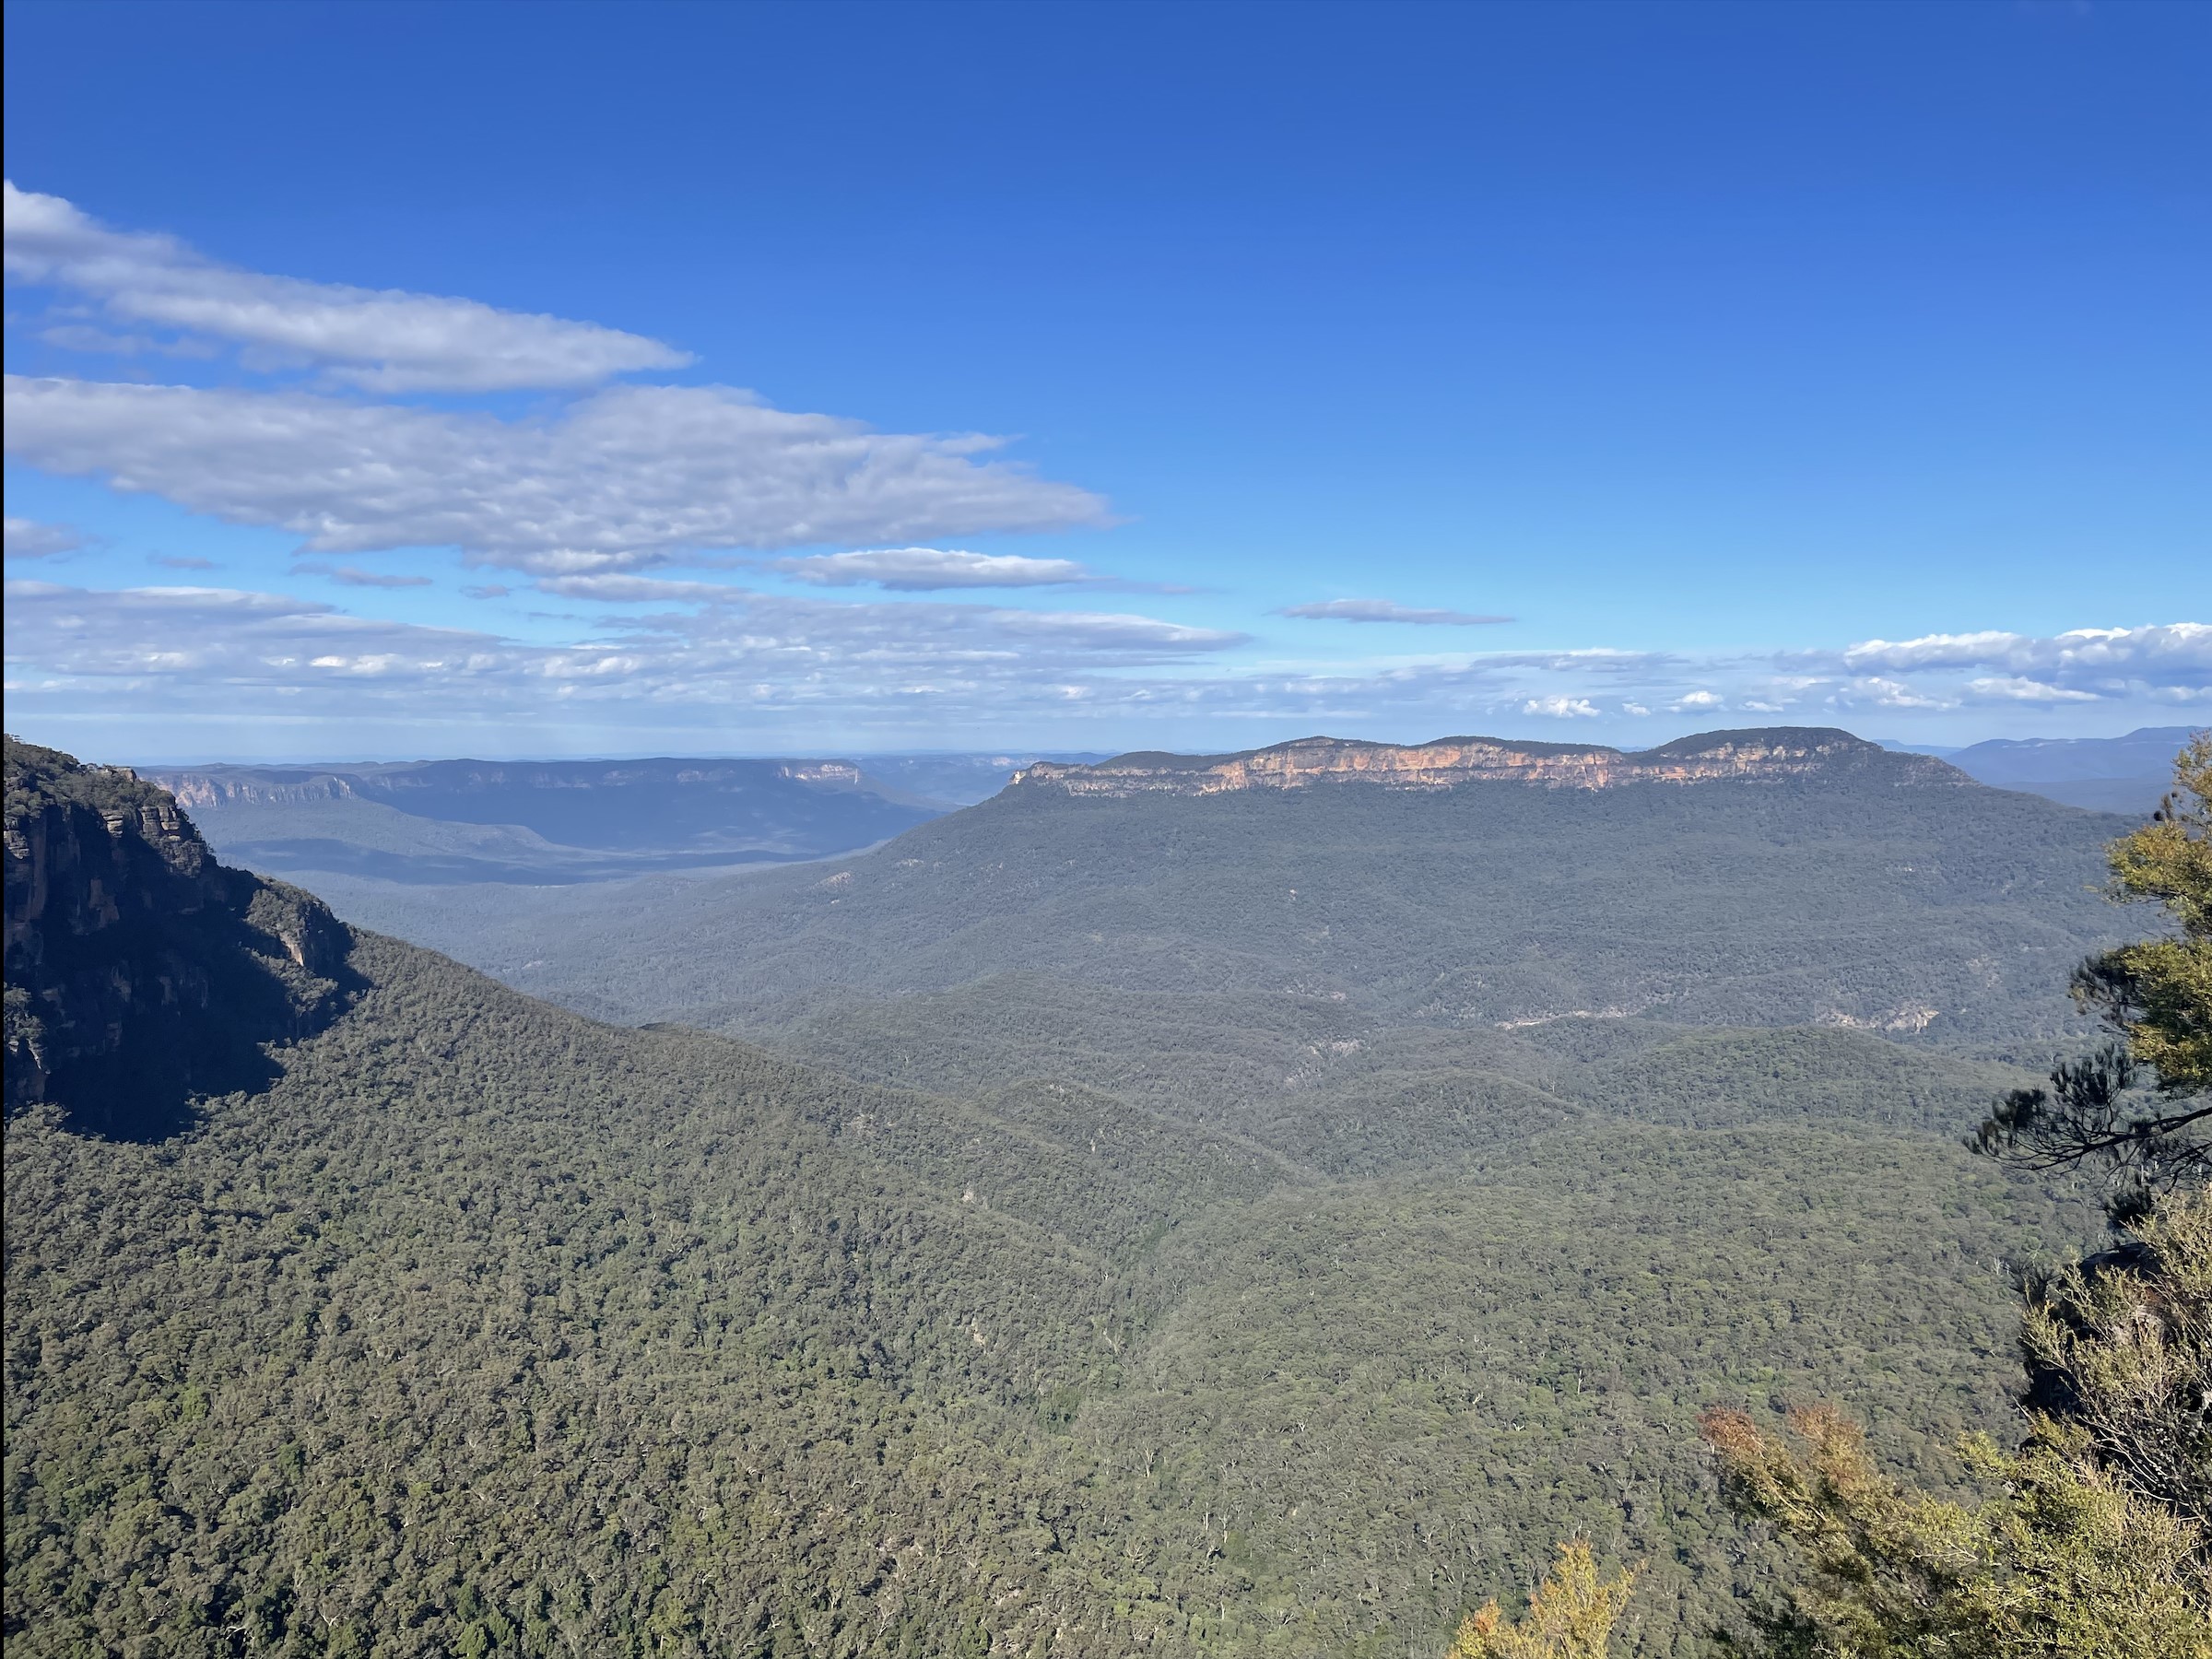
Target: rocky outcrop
<point>141,972</point>
<point>1776,754</point>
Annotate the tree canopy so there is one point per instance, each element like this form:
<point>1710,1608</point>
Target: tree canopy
<point>2094,1541</point>
<point>2136,1108</point>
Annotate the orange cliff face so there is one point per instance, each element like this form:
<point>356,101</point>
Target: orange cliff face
<point>1779,753</point>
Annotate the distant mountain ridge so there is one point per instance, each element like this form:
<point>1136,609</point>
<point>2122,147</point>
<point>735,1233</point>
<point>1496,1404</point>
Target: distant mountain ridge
<point>436,822</point>
<point>722,805</point>
<point>1447,762</point>
<point>556,823</point>
<point>2105,774</point>
<point>242,785</point>
<point>1744,878</point>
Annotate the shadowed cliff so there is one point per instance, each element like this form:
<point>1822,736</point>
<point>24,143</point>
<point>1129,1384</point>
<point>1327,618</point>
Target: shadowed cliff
<point>141,973</point>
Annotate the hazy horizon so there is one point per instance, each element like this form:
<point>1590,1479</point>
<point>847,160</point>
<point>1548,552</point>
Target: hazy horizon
<point>849,751</point>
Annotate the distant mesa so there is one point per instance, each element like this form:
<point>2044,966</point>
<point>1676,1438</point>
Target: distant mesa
<point>1772,753</point>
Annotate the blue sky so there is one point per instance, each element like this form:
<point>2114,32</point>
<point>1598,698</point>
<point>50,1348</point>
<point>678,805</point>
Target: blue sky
<point>406,380</point>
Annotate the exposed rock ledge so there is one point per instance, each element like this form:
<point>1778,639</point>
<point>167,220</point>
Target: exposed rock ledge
<point>1775,753</point>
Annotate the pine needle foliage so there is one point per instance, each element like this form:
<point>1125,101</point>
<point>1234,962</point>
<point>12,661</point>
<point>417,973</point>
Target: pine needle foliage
<point>2121,1347</point>
<point>2136,1108</point>
<point>2159,991</point>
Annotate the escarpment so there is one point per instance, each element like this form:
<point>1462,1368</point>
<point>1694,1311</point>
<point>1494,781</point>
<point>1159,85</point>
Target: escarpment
<point>1449,762</point>
<point>141,972</point>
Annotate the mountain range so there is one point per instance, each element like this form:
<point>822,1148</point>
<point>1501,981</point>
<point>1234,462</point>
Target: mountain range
<point>1250,1220</point>
<point>440,823</point>
<point>2106,774</point>
<point>1747,878</point>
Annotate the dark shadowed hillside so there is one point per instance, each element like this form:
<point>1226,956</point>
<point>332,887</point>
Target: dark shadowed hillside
<point>140,971</point>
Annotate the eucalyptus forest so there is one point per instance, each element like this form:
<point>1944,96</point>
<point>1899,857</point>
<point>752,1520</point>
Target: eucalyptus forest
<point>1760,1214</point>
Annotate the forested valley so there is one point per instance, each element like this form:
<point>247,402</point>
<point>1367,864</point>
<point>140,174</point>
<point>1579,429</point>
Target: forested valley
<point>1242,1225</point>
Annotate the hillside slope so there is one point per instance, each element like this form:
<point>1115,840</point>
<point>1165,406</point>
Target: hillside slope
<point>473,1326</point>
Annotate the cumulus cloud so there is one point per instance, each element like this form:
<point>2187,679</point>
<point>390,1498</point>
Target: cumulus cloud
<point>1562,708</point>
<point>382,340</point>
<point>1383,610</point>
<point>1873,690</point>
<point>622,479</point>
<point>2184,647</point>
<point>28,538</point>
<point>2158,663</point>
<point>1697,701</point>
<point>920,569</point>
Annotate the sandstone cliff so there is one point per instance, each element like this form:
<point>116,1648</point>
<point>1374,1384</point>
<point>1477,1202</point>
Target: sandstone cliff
<point>140,971</point>
<point>403,784</point>
<point>1775,754</point>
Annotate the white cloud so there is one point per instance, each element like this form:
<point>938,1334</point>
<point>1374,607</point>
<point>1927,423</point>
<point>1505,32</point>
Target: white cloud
<point>221,637</point>
<point>2180,646</point>
<point>382,340</point>
<point>623,479</point>
<point>1696,702</point>
<point>28,538</point>
<point>2012,687</point>
<point>1383,610</point>
<point>2160,662</point>
<point>703,657</point>
<point>1104,630</point>
<point>1873,690</point>
<point>182,644</point>
<point>920,569</point>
